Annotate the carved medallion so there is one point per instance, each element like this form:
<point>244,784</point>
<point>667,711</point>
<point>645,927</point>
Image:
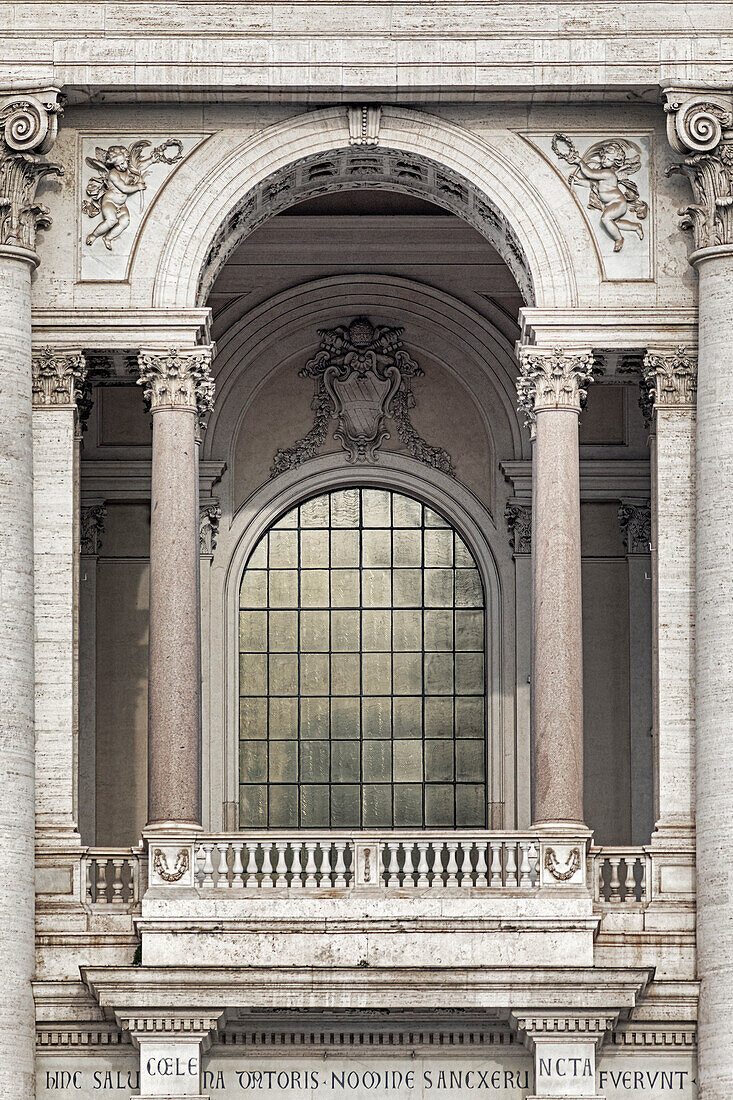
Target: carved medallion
<point>363,376</point>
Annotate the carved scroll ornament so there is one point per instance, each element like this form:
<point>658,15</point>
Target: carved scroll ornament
<point>700,126</point>
<point>362,377</point>
<point>28,128</point>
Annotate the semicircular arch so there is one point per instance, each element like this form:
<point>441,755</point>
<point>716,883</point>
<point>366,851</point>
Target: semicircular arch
<point>496,181</point>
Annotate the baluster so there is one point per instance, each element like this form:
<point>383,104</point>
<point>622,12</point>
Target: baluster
<point>311,868</point>
<point>326,865</point>
<point>251,877</point>
<point>525,878</point>
<point>451,869</point>
<point>266,882</point>
<point>208,848</point>
<point>117,881</point>
<point>90,882</point>
<point>615,884</point>
<point>340,869</point>
<point>481,868</point>
<point>296,880</point>
<point>222,870</point>
<point>422,863</point>
<point>393,867</point>
<point>534,861</point>
<point>495,863</point>
<point>237,868</point>
<point>511,864</point>
<point>281,867</point>
<point>101,884</point>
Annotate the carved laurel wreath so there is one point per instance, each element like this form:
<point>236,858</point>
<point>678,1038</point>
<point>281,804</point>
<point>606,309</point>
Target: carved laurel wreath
<point>552,864</point>
<point>161,868</point>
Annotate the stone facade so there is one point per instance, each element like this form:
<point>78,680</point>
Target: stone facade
<point>414,253</point>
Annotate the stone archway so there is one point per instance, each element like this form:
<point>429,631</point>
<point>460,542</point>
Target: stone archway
<point>500,184</point>
<point>349,169</point>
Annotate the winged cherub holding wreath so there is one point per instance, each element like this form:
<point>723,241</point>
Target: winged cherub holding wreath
<point>602,166</point>
<point>121,171</point>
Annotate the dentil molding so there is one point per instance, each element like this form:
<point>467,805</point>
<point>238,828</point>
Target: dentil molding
<point>28,128</point>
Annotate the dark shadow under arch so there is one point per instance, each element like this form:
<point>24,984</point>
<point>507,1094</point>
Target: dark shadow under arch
<point>349,169</point>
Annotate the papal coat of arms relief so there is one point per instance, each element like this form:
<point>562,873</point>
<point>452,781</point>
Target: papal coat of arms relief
<point>362,376</point>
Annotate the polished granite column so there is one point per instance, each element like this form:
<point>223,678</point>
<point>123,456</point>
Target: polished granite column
<point>180,390</point>
<point>551,387</point>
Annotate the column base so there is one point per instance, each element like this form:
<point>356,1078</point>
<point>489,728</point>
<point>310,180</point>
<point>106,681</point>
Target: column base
<point>172,829</point>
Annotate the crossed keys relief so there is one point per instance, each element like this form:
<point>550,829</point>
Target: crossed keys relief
<point>605,167</point>
<point>362,377</point>
<point>120,175</point>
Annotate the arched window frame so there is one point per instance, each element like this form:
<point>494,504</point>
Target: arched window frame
<point>328,473</point>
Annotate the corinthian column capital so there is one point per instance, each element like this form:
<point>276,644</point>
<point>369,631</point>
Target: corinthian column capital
<point>59,378</point>
<point>700,126</point>
<point>178,380</point>
<point>28,128</point>
<point>670,378</point>
<point>552,379</point>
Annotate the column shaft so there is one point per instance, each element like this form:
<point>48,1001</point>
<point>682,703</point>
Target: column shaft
<point>174,701</point>
<point>714,672</point>
<point>17,750</point>
<point>557,672</point>
<point>56,377</point>
<point>551,388</point>
<point>180,390</point>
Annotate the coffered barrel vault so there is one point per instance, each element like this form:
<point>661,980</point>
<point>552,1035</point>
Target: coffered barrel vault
<point>365,551</point>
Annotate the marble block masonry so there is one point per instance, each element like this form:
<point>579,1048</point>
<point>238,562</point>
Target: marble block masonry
<point>488,200</point>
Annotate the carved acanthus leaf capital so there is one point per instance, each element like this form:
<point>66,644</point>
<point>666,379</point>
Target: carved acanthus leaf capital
<point>700,126</point>
<point>178,380</point>
<point>92,526</point>
<point>552,379</point>
<point>670,378</point>
<point>636,527</point>
<point>208,529</point>
<point>519,524</point>
<point>59,378</point>
<point>28,128</point>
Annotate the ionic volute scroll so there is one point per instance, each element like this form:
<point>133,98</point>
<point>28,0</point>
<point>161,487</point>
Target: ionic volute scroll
<point>28,128</point>
<point>700,126</point>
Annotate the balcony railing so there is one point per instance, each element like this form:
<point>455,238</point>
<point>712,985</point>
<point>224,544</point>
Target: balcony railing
<point>116,878</point>
<point>343,861</point>
<point>621,876</point>
<point>112,877</point>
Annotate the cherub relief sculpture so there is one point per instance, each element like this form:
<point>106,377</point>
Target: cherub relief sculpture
<point>121,171</point>
<point>602,166</point>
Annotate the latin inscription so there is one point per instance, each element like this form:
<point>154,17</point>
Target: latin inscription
<point>507,1076</point>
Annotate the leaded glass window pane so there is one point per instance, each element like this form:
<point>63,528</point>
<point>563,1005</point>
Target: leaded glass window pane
<point>361,669</point>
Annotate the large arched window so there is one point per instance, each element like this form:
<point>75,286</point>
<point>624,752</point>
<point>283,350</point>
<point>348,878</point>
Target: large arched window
<point>361,669</point>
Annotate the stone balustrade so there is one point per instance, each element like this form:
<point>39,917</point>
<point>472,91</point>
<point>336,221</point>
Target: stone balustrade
<point>343,861</point>
<point>337,861</point>
<point>621,876</point>
<point>112,877</point>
